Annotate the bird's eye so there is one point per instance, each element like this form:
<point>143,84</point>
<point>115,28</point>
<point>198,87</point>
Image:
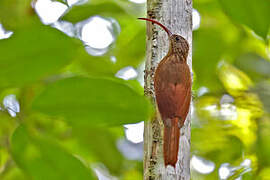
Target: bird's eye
<point>177,38</point>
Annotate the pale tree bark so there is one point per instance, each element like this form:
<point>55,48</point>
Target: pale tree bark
<point>177,16</point>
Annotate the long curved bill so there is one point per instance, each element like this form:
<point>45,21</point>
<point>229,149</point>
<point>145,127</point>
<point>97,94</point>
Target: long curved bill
<point>158,23</point>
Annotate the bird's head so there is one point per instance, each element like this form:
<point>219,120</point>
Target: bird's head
<point>178,44</point>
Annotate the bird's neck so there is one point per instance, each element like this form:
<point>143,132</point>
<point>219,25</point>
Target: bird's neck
<point>179,52</point>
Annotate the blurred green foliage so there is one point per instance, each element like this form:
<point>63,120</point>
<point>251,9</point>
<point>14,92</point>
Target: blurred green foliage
<point>231,63</point>
<point>72,107</point>
<point>48,52</point>
<point>37,156</point>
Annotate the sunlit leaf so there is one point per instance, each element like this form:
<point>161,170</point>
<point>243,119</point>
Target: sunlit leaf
<point>42,159</point>
<point>234,80</point>
<point>93,102</point>
<point>206,105</point>
<point>263,146</point>
<point>12,11</point>
<point>14,173</point>
<point>32,53</point>
<point>217,148</point>
<point>250,102</point>
<point>246,128</point>
<point>265,173</point>
<point>130,175</point>
<point>4,157</point>
<point>254,14</point>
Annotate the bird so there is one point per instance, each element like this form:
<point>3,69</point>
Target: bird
<point>172,85</point>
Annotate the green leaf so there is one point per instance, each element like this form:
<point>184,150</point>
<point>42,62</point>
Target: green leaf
<point>264,173</point>
<point>101,148</point>
<point>130,45</point>
<point>120,10</point>
<point>97,66</point>
<point>218,148</point>
<point>82,12</point>
<point>263,146</point>
<point>93,102</point>
<point>18,11</point>
<point>14,173</point>
<point>7,124</point>
<point>254,14</point>
<point>42,159</point>
<point>33,53</point>
<point>207,51</point>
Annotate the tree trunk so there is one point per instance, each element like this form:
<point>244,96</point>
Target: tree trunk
<point>177,16</point>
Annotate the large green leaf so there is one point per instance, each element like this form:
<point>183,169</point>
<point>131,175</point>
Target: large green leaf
<point>94,145</point>
<point>14,173</point>
<point>93,102</point>
<point>14,13</point>
<point>42,159</point>
<point>99,144</point>
<point>254,14</point>
<point>97,66</point>
<point>32,53</point>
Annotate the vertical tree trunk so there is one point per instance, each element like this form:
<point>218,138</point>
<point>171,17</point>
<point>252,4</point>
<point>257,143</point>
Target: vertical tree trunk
<point>177,16</point>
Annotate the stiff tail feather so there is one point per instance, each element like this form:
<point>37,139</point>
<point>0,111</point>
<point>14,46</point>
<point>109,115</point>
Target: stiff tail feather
<point>171,142</point>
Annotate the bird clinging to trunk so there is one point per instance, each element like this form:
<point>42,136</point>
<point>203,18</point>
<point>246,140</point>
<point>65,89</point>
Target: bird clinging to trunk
<point>172,83</point>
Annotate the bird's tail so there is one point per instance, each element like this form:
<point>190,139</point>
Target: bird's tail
<point>171,142</point>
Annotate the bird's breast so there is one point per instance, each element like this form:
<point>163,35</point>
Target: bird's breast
<point>172,70</point>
